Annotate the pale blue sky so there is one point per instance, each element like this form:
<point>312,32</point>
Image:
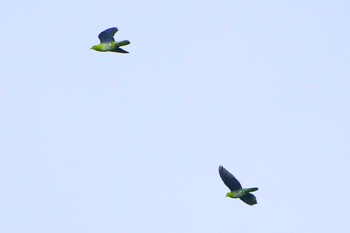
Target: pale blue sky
<point>102,143</point>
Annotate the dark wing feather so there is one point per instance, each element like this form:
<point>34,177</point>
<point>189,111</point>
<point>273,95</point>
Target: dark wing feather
<point>107,35</point>
<point>230,181</point>
<point>119,50</point>
<point>249,199</point>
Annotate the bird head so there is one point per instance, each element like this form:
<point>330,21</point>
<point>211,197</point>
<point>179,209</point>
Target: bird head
<point>96,47</point>
<point>229,194</point>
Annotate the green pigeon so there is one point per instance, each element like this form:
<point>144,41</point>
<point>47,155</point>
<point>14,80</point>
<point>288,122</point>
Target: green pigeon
<point>236,188</point>
<point>108,43</point>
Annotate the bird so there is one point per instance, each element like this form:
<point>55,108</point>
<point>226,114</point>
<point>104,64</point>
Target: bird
<point>107,42</point>
<point>236,188</point>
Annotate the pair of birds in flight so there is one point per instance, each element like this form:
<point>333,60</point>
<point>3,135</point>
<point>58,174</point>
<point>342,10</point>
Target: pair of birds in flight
<point>108,44</point>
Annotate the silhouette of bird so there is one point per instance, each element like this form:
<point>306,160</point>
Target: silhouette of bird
<point>107,42</point>
<point>236,188</point>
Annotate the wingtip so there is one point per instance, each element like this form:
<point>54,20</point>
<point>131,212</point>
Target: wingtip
<point>115,28</point>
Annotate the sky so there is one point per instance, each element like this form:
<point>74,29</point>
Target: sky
<point>102,142</point>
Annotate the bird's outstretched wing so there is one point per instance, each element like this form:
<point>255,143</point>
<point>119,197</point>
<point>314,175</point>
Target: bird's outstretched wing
<point>230,181</point>
<point>107,35</point>
<point>119,50</point>
<point>249,199</point>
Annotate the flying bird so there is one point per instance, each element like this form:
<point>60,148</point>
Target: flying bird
<point>236,188</point>
<point>107,42</point>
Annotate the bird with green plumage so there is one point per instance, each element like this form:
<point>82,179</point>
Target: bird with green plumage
<point>236,188</point>
<point>107,42</point>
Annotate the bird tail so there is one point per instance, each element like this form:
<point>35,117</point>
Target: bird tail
<point>122,43</point>
<point>251,189</point>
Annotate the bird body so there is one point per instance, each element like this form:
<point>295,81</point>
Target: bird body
<point>236,190</point>
<point>240,193</point>
<point>107,42</point>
